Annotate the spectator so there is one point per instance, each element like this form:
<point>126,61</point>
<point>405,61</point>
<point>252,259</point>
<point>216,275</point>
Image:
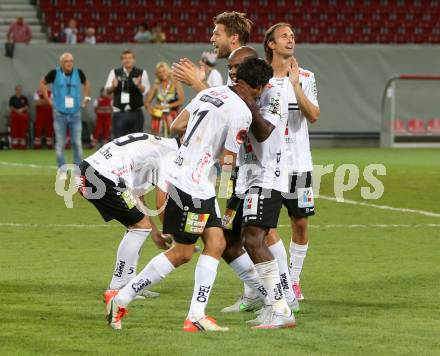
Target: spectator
<point>212,75</point>
<point>18,105</point>
<point>66,83</point>
<point>43,120</point>
<point>128,84</point>
<point>71,33</point>
<point>158,36</point>
<point>103,125</point>
<point>90,36</point>
<point>143,35</point>
<point>168,94</point>
<point>19,32</point>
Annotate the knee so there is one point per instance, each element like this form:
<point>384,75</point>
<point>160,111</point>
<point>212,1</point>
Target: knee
<point>178,257</point>
<point>143,224</point>
<point>216,246</point>
<point>234,247</point>
<point>253,240</point>
<point>301,225</point>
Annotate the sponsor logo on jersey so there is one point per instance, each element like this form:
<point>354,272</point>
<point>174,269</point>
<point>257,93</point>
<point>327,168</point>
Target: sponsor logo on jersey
<point>241,136</point>
<point>137,287</point>
<point>214,101</point>
<point>274,106</point>
<point>122,171</point>
<point>195,223</point>
<point>201,167</point>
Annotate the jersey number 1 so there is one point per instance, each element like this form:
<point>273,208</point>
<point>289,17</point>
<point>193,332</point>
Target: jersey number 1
<point>200,115</point>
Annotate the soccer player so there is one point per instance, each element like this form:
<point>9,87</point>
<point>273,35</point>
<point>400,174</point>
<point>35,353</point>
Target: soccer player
<point>279,44</point>
<point>218,121</point>
<point>237,258</point>
<point>114,179</point>
<point>232,30</point>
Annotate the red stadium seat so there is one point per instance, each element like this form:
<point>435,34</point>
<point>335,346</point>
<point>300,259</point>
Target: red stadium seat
<point>399,126</point>
<point>317,21</point>
<point>434,126</point>
<point>416,126</point>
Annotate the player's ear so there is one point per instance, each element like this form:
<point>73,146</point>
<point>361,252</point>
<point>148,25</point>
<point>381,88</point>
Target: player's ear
<point>271,44</point>
<point>234,39</point>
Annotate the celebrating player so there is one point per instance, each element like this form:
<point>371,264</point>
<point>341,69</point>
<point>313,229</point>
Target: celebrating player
<point>303,106</point>
<point>231,31</point>
<point>114,179</point>
<point>218,123</point>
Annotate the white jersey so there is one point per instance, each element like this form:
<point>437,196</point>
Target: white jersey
<point>219,120</point>
<point>138,160</point>
<point>262,164</point>
<point>214,79</point>
<point>297,131</point>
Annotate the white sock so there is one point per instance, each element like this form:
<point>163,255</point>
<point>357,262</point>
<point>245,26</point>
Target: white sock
<point>297,255</point>
<point>156,270</point>
<point>279,253</point>
<point>270,275</point>
<point>245,269</point>
<point>205,273</point>
<point>127,257</point>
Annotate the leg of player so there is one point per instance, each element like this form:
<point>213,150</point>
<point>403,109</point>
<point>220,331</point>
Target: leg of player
<point>280,314</point>
<point>298,252</point>
<point>278,251</point>
<point>205,273</point>
<point>127,258</point>
<point>156,270</point>
<point>239,260</point>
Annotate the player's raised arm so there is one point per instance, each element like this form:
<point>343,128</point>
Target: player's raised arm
<point>310,110</point>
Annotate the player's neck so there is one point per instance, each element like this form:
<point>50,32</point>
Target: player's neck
<point>280,65</point>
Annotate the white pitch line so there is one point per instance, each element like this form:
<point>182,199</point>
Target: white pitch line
<point>384,207</point>
<point>26,165</point>
<point>327,226</point>
<point>346,201</point>
<point>6,224</point>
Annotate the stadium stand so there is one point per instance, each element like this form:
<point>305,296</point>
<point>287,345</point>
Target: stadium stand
<point>315,21</point>
<point>11,9</point>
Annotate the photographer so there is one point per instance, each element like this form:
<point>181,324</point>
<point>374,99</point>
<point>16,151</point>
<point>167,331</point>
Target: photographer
<point>128,84</point>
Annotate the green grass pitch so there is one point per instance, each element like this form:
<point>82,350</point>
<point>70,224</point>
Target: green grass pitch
<point>371,278</point>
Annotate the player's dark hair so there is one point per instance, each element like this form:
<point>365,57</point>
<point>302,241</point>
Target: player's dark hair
<point>255,72</point>
<point>269,36</point>
<point>235,23</point>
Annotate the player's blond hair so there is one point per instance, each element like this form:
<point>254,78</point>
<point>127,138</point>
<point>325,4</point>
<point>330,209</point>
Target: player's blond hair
<point>235,23</point>
<point>269,36</point>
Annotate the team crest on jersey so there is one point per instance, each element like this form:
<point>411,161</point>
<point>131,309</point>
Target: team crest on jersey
<point>305,198</point>
<point>195,223</point>
<point>241,136</point>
